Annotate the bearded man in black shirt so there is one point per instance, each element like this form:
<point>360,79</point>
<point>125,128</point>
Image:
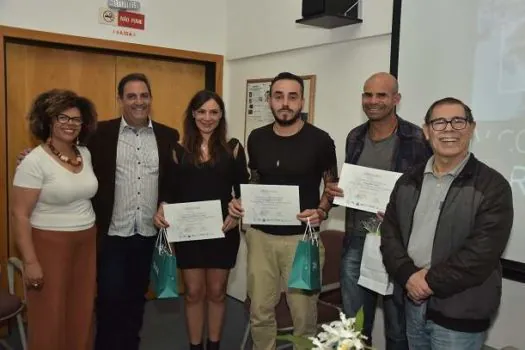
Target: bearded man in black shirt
<point>289,151</point>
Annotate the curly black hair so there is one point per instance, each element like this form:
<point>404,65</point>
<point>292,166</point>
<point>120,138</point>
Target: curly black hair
<point>50,104</point>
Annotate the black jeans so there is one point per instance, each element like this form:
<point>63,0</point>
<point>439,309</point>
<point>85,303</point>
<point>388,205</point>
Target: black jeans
<point>123,268</point>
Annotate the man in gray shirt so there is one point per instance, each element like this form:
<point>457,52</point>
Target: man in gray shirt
<point>433,193</point>
<point>384,142</point>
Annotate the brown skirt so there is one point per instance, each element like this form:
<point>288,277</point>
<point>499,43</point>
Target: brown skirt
<point>60,314</point>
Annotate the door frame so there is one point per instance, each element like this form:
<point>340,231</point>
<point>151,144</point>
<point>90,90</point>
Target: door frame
<point>213,61</point>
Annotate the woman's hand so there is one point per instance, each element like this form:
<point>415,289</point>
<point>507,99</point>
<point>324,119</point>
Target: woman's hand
<point>159,220</point>
<point>34,276</point>
<point>229,223</point>
<point>235,208</point>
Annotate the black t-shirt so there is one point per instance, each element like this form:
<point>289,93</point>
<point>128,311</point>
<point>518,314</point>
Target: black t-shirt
<point>300,159</point>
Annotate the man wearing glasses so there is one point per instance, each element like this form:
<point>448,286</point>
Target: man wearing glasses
<point>444,230</point>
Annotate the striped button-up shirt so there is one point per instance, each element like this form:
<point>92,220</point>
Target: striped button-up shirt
<point>136,182</point>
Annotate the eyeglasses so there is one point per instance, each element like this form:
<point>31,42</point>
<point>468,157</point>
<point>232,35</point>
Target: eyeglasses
<point>63,119</point>
<point>457,123</point>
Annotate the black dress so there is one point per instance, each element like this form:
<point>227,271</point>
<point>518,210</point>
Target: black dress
<point>191,183</point>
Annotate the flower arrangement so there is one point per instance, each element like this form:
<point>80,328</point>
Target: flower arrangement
<point>344,334</point>
<point>373,225</point>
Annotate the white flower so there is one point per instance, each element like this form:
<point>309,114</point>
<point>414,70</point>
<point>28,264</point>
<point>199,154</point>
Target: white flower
<point>372,225</point>
<point>340,335</point>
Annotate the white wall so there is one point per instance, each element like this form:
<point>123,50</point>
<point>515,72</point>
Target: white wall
<point>260,27</point>
<point>181,24</point>
<point>508,326</point>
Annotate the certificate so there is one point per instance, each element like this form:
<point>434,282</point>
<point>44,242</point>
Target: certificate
<point>270,205</point>
<point>366,189</point>
<point>194,221</point>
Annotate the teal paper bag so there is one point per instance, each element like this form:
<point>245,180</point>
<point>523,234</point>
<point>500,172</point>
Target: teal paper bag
<point>306,269</point>
<point>163,273</point>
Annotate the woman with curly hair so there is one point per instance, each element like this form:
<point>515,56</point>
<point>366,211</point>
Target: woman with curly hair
<point>53,222</point>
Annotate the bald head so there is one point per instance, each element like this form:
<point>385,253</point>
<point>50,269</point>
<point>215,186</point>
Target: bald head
<point>384,79</point>
<point>380,96</point>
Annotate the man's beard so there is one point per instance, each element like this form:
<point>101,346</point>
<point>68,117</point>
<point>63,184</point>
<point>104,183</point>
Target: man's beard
<point>287,122</point>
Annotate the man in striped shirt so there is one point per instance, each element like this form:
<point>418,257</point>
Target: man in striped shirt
<point>129,156</point>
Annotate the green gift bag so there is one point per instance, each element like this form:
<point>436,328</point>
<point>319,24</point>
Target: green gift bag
<point>163,273</point>
<point>306,269</point>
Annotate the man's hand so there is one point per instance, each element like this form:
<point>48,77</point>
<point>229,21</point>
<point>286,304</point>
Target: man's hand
<point>331,190</point>
<point>159,219</point>
<point>22,155</point>
<point>380,215</point>
<point>235,208</point>
<point>417,287</point>
<point>312,215</point>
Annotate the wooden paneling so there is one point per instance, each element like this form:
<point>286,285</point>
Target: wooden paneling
<point>4,241</point>
<point>173,84</point>
<point>76,41</point>
<point>106,44</point>
<point>32,70</point>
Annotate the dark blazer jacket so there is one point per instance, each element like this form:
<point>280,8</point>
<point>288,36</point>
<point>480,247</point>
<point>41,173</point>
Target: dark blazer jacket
<point>103,148</point>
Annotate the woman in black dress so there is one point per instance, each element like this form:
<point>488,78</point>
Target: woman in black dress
<point>206,167</point>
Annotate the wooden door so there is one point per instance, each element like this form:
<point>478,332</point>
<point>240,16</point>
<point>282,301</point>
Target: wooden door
<point>173,84</point>
<point>32,70</point>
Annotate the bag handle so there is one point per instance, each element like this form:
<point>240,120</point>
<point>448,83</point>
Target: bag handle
<point>309,234</point>
<point>158,241</point>
<point>162,241</point>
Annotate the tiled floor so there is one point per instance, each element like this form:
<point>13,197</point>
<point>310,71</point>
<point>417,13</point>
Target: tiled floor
<point>165,328</point>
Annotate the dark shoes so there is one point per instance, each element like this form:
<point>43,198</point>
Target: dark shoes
<point>210,345</point>
<point>213,345</point>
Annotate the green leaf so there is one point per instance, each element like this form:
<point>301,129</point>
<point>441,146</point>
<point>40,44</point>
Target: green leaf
<point>302,343</point>
<point>359,320</point>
